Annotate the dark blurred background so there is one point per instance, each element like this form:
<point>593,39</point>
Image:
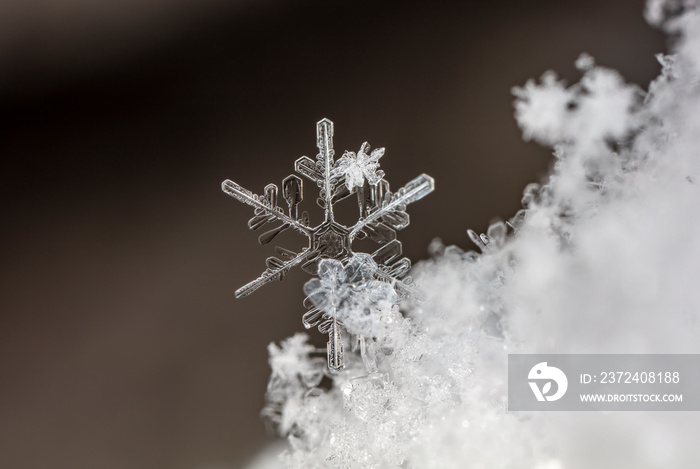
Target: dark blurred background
<point>121,343</point>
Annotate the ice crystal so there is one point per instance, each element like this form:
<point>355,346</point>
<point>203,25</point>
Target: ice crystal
<point>381,214</point>
<point>349,295</point>
<point>603,258</point>
<point>295,375</point>
<point>356,168</point>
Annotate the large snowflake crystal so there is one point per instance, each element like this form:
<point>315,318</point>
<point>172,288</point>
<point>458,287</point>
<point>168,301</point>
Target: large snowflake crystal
<point>381,214</point>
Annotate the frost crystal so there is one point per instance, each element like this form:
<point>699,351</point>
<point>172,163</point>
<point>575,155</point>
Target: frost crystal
<point>381,214</point>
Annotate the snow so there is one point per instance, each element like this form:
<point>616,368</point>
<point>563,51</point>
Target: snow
<point>604,258</point>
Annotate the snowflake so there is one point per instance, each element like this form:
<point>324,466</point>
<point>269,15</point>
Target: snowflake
<point>347,295</point>
<point>381,214</point>
<point>338,284</point>
<point>358,167</point>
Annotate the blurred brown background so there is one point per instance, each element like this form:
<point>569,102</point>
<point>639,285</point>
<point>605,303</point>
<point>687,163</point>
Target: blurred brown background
<point>121,343</point>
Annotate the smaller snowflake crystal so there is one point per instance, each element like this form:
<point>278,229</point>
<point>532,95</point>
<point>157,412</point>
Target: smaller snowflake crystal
<point>348,281</point>
<point>346,293</point>
<point>356,168</point>
<point>337,283</point>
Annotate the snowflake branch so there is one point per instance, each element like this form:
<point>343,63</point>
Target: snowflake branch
<point>324,135</point>
<point>247,197</point>
<point>414,190</point>
<point>276,273</point>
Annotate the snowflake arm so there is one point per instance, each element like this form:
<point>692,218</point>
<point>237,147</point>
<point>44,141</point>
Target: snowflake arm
<point>263,205</point>
<point>324,137</point>
<point>276,270</point>
<point>395,204</point>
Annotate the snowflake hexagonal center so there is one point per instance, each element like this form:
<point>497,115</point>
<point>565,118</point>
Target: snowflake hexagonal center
<point>332,239</point>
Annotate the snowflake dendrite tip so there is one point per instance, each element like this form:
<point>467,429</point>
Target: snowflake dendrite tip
<point>381,214</point>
